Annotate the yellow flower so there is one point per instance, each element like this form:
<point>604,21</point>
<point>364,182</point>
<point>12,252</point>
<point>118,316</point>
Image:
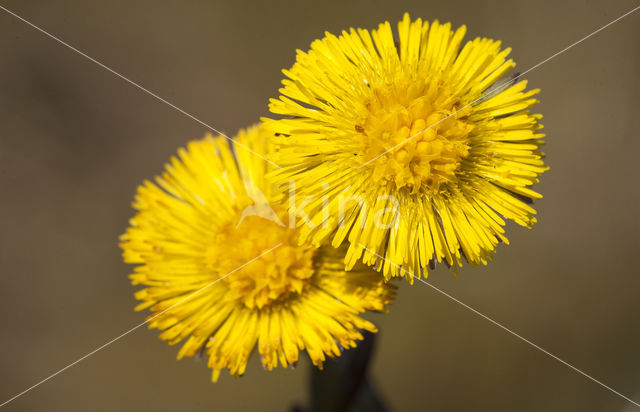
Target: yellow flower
<point>224,271</point>
<point>412,159</point>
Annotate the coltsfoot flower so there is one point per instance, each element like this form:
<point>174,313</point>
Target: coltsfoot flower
<point>394,146</point>
<point>223,271</point>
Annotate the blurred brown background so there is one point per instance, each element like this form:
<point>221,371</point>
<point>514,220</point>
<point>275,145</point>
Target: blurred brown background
<point>75,140</point>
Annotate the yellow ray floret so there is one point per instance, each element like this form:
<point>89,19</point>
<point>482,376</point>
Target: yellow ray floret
<point>223,271</point>
<point>412,149</point>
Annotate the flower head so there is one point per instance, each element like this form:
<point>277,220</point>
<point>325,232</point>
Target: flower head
<point>419,163</point>
<point>223,272</point>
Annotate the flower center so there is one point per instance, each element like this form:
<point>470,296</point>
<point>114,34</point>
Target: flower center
<point>273,277</point>
<point>411,134</point>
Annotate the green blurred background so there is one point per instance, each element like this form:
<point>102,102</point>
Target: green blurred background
<point>75,140</point>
